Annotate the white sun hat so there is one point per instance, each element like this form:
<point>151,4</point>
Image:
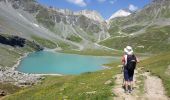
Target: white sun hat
<point>128,50</point>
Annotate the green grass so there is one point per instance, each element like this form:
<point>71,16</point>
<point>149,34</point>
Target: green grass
<point>71,87</point>
<point>9,88</point>
<point>8,57</point>
<point>74,38</point>
<point>132,29</point>
<point>44,42</point>
<point>63,45</point>
<point>114,30</point>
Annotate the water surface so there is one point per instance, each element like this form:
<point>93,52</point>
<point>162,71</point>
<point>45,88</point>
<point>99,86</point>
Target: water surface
<point>44,62</point>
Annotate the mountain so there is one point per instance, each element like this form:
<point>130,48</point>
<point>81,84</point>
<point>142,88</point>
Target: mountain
<point>62,27</point>
<point>66,29</point>
<point>147,30</point>
<point>120,13</point>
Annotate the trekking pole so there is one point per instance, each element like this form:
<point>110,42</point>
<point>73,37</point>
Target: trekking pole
<point>123,76</point>
<point>122,69</point>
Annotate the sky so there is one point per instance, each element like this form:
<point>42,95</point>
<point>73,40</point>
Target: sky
<point>105,7</point>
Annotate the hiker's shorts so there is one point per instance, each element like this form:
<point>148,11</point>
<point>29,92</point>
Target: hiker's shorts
<point>128,75</point>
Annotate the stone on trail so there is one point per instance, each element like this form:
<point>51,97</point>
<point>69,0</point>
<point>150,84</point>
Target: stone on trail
<point>108,82</point>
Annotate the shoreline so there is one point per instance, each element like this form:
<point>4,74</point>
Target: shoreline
<point>21,79</point>
<point>19,61</point>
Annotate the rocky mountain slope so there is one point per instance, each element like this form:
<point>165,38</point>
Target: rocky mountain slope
<point>66,29</point>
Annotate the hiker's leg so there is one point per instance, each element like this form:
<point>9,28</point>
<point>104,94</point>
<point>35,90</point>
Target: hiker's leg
<point>126,79</point>
<point>131,85</point>
<point>131,80</point>
<point>126,85</point>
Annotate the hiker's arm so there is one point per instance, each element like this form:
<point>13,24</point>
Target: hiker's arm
<point>123,60</point>
<point>137,59</point>
<point>123,63</point>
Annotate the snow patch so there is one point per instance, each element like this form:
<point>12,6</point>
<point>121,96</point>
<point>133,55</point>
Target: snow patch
<point>120,13</point>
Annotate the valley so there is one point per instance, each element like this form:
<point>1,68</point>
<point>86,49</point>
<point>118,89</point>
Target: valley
<point>28,27</point>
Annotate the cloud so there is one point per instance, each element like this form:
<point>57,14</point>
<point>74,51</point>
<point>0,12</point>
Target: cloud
<point>112,1</point>
<point>80,3</point>
<point>101,0</point>
<point>132,7</point>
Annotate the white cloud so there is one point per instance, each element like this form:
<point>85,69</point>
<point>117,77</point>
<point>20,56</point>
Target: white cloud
<point>112,1</point>
<point>132,7</point>
<point>80,3</point>
<point>101,0</point>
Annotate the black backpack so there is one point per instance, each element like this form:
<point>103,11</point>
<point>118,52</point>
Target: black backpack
<point>131,62</point>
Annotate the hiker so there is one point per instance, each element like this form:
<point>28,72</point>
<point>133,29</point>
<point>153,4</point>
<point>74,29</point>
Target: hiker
<point>129,61</point>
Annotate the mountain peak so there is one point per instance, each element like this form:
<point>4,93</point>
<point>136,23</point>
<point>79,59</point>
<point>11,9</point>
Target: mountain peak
<point>120,13</point>
<point>91,14</point>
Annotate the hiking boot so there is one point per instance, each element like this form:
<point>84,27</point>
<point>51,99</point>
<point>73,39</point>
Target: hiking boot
<point>130,91</point>
<point>126,91</point>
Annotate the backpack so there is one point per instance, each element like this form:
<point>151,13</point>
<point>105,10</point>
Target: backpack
<point>131,62</point>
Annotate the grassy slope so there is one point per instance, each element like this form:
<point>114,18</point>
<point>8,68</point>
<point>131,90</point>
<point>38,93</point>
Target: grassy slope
<point>154,40</point>
<point>74,38</point>
<point>76,87</point>
<point>71,87</point>
<point>9,88</point>
<point>44,42</point>
<point>132,29</point>
<point>9,55</point>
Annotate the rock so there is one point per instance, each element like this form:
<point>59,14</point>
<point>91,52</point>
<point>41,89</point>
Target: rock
<point>115,77</point>
<point>3,93</point>
<point>148,71</point>
<point>108,82</point>
<point>92,92</point>
<point>82,83</point>
<point>16,41</point>
<point>119,66</point>
<point>12,40</point>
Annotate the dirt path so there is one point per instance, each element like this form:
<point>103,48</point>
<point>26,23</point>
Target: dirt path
<point>119,91</point>
<point>153,88</point>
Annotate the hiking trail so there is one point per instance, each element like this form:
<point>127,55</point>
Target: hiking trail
<point>151,85</point>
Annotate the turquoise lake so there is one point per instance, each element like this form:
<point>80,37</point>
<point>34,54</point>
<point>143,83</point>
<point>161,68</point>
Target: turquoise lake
<point>45,62</point>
